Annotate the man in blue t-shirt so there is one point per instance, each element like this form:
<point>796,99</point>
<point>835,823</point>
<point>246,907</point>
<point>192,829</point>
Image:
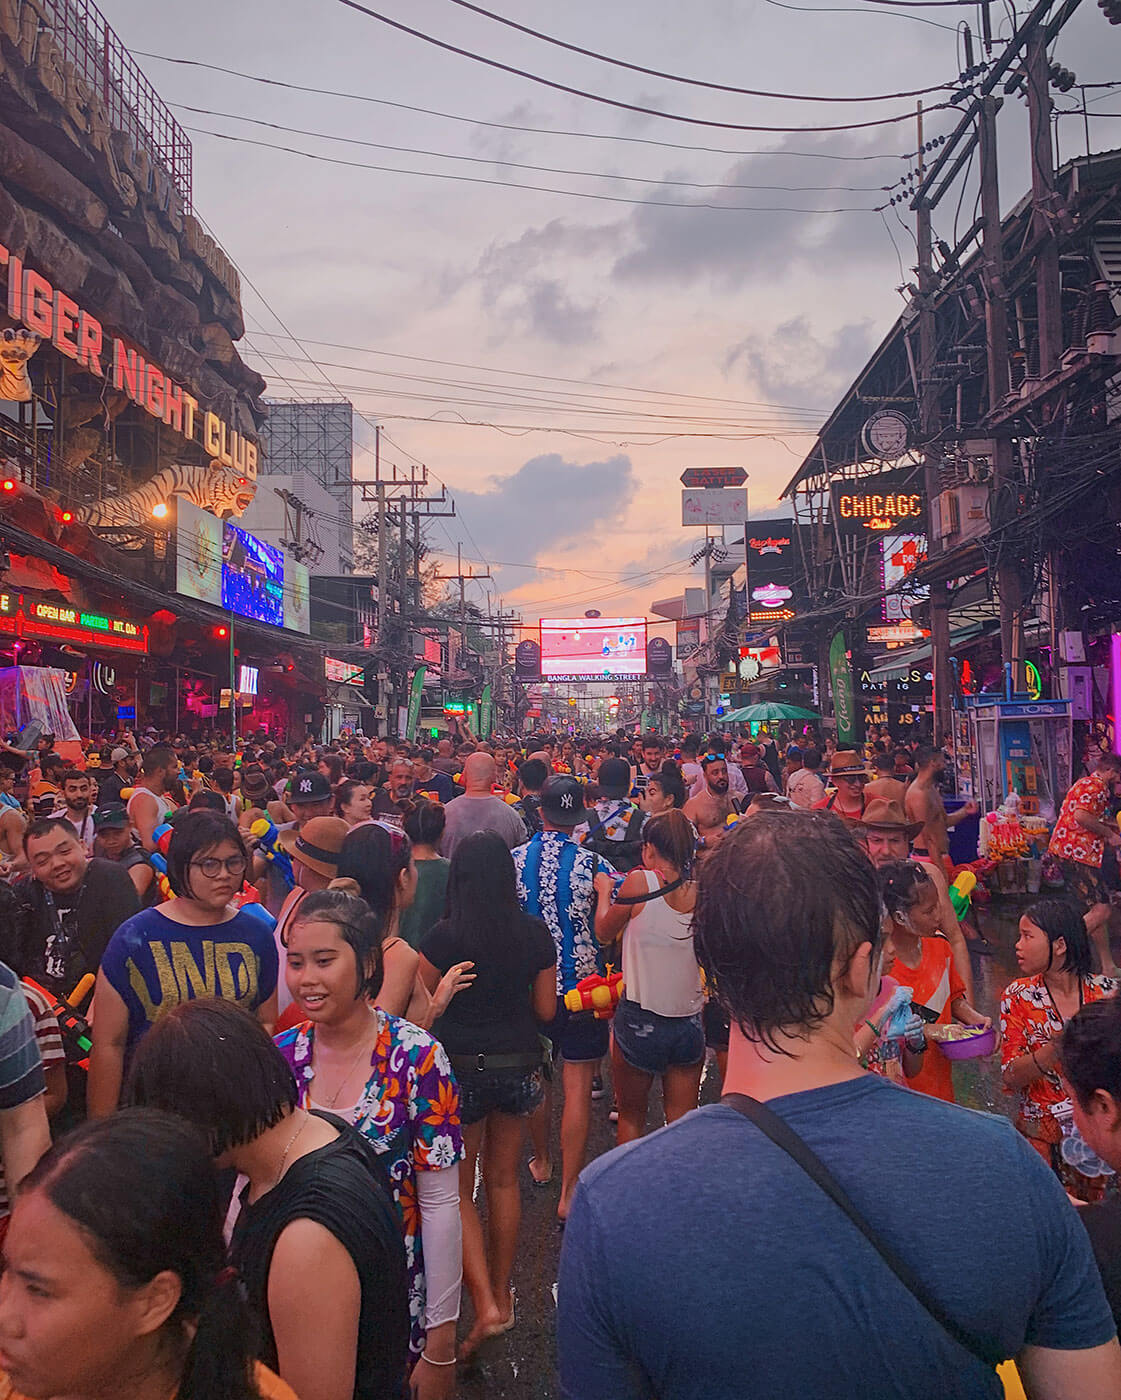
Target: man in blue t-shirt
<point>703,1261</point>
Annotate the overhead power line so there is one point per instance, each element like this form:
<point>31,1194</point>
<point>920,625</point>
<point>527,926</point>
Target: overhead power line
<point>691,82</point>
<point>510,126</point>
<point>526,374</point>
<point>537,189</point>
<point>612,101</point>
<point>520,165</point>
<point>860,10</point>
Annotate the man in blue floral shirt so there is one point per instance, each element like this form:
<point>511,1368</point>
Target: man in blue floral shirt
<point>556,882</point>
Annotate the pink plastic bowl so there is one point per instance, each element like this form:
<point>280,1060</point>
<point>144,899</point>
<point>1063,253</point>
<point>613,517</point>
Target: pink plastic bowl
<point>972,1049</point>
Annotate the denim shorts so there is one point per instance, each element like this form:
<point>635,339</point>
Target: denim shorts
<point>652,1044</point>
<point>515,1092</point>
<point>577,1036</point>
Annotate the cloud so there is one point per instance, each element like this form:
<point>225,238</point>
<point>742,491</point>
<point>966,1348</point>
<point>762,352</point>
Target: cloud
<point>782,226</point>
<point>546,504</point>
<point>792,365</point>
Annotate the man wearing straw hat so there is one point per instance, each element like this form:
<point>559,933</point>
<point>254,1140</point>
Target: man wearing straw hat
<point>845,795</point>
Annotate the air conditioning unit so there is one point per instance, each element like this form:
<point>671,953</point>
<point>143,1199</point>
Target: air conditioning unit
<point>961,514</point>
<point>1076,684</point>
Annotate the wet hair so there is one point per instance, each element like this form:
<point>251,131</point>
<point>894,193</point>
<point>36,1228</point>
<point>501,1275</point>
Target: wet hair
<point>690,744</point>
<point>653,741</point>
<point>73,775</point>
<point>712,758</point>
<point>883,762</point>
<point>194,834</point>
<point>358,928</point>
<point>902,885</point>
<point>1110,760</point>
<point>669,779</point>
<point>214,1064</point>
<point>1059,918</point>
<point>811,759</point>
<point>533,773</point>
<point>208,802</point>
<point>334,765</point>
<point>424,825</point>
<point>674,837</point>
<point>223,780</point>
<point>781,900</point>
<point>158,757</point>
<point>482,900</point>
<point>1091,1050</point>
<point>144,1194</point>
<point>47,826</point>
<point>925,754</point>
<point>344,793</point>
<point>205,765</point>
<point>374,858</point>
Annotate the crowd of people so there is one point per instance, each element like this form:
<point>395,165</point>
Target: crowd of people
<point>294,1018</point>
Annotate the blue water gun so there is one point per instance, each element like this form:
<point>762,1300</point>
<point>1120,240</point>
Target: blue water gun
<point>268,843</point>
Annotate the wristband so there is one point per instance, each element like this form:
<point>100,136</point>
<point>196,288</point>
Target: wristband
<point>874,1029</point>
<point>425,1357</point>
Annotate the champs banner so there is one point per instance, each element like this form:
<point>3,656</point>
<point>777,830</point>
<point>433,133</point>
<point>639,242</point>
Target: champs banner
<point>485,709</point>
<point>414,702</point>
<point>844,706</point>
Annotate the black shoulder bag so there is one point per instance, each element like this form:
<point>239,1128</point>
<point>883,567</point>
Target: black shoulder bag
<point>784,1136</point>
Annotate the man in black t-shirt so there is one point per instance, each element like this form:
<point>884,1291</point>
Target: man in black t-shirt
<point>70,906</point>
<point>113,781</point>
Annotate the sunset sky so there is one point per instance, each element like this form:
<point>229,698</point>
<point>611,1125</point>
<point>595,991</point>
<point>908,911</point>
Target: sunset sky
<point>734,322</point>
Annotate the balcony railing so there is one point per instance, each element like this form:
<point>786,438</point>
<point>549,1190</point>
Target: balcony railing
<point>134,107</point>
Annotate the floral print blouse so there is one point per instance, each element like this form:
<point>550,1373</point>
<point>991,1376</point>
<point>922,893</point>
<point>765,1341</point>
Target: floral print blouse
<point>409,1112</point>
<point>1069,840</point>
<point>1028,1020</point>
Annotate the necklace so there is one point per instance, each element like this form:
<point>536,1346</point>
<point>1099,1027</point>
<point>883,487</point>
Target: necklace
<point>363,1048</point>
<point>284,1154</point>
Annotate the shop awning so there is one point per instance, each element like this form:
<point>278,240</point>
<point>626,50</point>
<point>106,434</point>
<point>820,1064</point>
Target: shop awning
<point>901,661</point>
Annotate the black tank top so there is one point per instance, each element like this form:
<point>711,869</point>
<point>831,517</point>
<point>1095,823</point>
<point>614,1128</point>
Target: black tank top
<point>344,1188</point>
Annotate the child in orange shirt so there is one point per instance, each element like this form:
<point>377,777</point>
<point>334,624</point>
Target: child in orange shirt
<point>923,962</point>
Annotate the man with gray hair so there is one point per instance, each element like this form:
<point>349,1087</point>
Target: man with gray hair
<point>480,809</point>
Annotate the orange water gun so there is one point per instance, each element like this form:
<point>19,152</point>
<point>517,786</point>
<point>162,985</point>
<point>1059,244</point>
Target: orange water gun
<point>598,994</point>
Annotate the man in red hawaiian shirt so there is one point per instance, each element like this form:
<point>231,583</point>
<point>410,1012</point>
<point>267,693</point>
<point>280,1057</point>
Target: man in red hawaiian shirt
<point>1078,843</point>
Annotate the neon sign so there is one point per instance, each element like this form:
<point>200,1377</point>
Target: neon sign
<point>884,504</point>
<point>28,616</point>
<point>79,336</point>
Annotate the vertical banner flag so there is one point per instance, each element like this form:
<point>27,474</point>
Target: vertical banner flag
<point>485,713</point>
<point>844,710</point>
<point>414,702</point>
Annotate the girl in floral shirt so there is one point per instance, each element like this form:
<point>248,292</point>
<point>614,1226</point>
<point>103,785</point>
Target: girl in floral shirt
<point>394,1083</point>
<point>1054,955</point>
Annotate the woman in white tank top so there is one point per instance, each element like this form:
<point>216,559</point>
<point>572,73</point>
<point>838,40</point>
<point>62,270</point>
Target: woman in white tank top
<point>657,1027</point>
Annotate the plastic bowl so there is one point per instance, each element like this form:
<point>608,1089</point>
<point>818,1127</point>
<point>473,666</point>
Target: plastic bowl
<point>972,1048</point>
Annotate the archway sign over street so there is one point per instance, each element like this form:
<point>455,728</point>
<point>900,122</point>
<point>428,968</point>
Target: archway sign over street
<point>713,476</point>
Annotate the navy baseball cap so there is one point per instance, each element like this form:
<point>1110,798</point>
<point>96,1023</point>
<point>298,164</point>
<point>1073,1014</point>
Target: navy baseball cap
<point>562,800</point>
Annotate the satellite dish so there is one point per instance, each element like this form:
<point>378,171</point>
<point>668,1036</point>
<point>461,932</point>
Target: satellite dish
<point>593,612</point>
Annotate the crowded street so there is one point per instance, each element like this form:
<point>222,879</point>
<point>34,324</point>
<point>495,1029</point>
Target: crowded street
<point>560,675</point>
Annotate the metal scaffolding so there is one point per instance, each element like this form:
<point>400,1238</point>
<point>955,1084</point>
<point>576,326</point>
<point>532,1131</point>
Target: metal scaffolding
<point>316,439</point>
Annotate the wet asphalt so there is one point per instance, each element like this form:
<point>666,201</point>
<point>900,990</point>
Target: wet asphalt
<point>521,1365</point>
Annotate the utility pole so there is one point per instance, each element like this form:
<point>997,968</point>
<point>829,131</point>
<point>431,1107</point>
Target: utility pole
<point>383,598</point>
<point>928,430</point>
<point>1048,289</point>
<point>996,344</point>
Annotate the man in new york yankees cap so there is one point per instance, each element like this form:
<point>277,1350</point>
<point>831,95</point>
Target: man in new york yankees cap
<point>556,883</point>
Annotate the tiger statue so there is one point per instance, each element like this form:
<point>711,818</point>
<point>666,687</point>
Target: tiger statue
<point>217,489</point>
<point>16,348</point>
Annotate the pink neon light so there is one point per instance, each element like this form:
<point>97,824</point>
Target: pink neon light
<point>1115,687</point>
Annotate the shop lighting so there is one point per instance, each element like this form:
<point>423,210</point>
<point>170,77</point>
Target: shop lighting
<point>9,484</point>
<point>160,510</point>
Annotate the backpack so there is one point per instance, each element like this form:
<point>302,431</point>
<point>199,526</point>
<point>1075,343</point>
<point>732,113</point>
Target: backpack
<point>625,854</point>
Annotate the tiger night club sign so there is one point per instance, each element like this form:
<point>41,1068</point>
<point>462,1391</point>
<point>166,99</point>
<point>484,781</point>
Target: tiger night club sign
<point>80,336</point>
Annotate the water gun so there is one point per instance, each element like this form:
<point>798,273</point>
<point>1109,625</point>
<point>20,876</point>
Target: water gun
<point>158,859</point>
<point>961,893</point>
<point>598,994</point>
<point>256,911</point>
<point>269,845</point>
<point>74,1027</point>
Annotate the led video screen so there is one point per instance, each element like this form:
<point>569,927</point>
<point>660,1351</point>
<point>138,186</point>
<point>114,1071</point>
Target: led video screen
<point>605,648</point>
<point>252,577</point>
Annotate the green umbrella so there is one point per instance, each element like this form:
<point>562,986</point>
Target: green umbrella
<point>767,711</point>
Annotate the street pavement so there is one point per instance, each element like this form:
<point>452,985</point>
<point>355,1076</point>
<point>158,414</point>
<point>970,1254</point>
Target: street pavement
<point>521,1365</point>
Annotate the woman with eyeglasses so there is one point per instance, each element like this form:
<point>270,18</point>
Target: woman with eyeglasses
<point>195,945</point>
